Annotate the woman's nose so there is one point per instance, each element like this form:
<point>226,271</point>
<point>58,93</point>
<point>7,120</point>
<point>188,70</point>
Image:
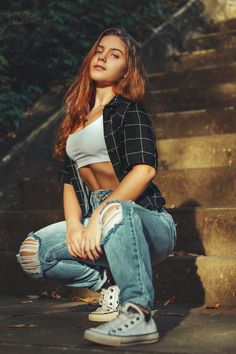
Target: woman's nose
<point>102,57</point>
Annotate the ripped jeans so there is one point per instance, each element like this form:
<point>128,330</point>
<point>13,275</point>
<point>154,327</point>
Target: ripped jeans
<point>133,239</point>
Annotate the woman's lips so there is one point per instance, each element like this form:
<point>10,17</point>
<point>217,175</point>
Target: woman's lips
<point>97,67</point>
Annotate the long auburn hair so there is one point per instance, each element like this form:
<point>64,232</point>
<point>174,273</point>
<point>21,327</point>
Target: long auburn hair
<point>80,96</point>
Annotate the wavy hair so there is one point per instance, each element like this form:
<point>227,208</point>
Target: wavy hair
<point>80,96</point>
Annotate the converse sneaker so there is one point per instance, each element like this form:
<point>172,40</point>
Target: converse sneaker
<point>132,326</point>
<point>109,305</point>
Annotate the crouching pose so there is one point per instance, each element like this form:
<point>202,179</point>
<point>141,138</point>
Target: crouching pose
<point>115,222</point>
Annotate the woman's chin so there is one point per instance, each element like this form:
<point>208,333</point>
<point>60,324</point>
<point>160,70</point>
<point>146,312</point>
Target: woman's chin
<point>103,83</point>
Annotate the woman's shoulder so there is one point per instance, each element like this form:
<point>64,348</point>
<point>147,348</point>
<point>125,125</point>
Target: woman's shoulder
<point>128,104</point>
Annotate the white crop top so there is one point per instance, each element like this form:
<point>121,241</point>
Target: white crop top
<point>88,145</point>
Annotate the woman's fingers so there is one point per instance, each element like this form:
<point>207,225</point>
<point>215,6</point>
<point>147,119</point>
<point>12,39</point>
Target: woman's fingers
<point>90,255</point>
<point>82,247</point>
<point>90,249</point>
<point>95,253</point>
<point>72,252</point>
<point>98,248</point>
<point>77,246</point>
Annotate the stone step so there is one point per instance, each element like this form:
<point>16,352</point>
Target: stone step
<point>194,123</point>
<point>226,25</point>
<point>197,152</point>
<point>41,194</point>
<point>203,231</point>
<point>216,40</point>
<point>206,187</point>
<point>26,221</point>
<point>196,279</point>
<point>201,58</point>
<point>197,77</point>
<point>215,97</point>
<point>201,279</point>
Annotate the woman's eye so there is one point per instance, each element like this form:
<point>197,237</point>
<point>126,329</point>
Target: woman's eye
<point>116,56</point>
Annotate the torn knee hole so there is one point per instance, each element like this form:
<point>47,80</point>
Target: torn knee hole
<point>29,255</point>
<point>29,247</point>
<point>111,215</point>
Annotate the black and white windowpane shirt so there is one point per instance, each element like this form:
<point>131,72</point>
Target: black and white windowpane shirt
<point>130,140</point>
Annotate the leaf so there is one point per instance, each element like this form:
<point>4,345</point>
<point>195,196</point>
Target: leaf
<point>213,307</point>
<point>85,299</point>
<point>171,300</point>
<point>21,325</point>
<point>154,312</point>
<point>33,297</point>
<point>55,295</point>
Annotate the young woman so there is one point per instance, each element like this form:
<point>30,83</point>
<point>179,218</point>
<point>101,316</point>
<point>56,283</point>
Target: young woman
<point>114,216</point>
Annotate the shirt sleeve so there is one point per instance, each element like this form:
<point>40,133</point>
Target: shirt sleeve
<point>139,137</point>
<point>65,173</point>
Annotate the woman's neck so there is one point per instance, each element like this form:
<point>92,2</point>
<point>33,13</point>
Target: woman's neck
<point>102,97</point>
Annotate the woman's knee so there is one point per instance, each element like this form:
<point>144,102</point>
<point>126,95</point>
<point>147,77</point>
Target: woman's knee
<point>28,256</point>
<point>114,214</point>
<point>111,215</point>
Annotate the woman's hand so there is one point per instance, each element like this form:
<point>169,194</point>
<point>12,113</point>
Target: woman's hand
<point>90,245</point>
<point>74,236</point>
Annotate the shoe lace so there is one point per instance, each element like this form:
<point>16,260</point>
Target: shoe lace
<point>102,296</point>
<point>105,300</point>
<point>124,321</point>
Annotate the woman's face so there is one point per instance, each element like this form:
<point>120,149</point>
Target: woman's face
<point>109,63</point>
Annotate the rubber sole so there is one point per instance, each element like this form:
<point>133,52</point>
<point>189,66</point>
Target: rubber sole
<point>95,317</point>
<point>120,341</point>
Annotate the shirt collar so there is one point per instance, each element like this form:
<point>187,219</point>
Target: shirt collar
<point>114,101</point>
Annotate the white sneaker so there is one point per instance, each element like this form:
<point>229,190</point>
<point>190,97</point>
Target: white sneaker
<point>130,327</point>
<point>109,305</point>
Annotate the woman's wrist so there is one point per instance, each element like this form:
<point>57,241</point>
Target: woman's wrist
<point>97,211</point>
<point>73,223</point>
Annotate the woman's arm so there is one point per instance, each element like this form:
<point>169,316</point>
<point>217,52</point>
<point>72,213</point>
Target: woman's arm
<point>72,210</point>
<point>130,188</point>
<point>73,215</point>
<point>140,163</point>
<point>132,185</point>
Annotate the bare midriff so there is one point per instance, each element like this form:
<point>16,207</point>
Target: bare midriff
<point>99,175</point>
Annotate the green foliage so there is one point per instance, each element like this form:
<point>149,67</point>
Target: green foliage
<point>44,41</point>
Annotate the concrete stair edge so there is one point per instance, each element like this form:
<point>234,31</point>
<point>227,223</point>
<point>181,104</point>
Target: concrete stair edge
<point>197,152</point>
<point>190,59</point>
<point>220,39</point>
<point>200,279</point>
<point>207,187</point>
<point>197,123</point>
<point>209,280</point>
<point>202,231</point>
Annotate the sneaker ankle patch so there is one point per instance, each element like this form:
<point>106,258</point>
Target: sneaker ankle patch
<point>147,316</point>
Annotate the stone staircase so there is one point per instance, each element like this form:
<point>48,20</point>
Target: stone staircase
<point>193,107</point>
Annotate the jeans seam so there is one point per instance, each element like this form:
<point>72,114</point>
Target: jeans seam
<point>171,223</point>
<point>52,252</point>
<point>136,250</point>
<point>146,305</point>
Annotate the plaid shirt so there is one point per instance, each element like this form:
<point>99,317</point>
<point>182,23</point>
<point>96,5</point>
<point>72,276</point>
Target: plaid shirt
<point>130,140</point>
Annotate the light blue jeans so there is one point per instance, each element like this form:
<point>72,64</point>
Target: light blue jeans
<point>139,239</point>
